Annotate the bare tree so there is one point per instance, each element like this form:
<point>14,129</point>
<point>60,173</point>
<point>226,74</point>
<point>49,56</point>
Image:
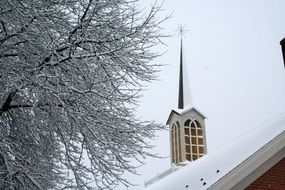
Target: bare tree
<point>70,74</point>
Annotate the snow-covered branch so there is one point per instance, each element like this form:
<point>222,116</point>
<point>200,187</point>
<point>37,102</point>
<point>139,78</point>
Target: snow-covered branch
<point>70,75</point>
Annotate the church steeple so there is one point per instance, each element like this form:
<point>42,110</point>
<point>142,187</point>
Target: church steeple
<point>187,124</point>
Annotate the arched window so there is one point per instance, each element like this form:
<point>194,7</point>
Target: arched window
<point>194,140</point>
<point>176,143</point>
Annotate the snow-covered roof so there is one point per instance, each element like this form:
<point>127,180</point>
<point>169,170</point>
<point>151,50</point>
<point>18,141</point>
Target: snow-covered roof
<point>182,111</point>
<point>208,170</point>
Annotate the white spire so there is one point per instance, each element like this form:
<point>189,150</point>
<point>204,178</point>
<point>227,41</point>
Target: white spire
<point>188,101</point>
<point>184,92</point>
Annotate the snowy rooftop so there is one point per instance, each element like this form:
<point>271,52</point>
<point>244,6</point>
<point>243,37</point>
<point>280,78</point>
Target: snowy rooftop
<point>190,107</point>
<point>182,111</point>
<point>206,171</point>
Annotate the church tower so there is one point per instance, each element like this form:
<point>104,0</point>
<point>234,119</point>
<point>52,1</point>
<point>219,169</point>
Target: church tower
<point>187,123</point>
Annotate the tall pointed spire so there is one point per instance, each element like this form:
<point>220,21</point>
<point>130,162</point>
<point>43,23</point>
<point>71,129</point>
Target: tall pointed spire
<point>180,92</point>
<point>184,94</point>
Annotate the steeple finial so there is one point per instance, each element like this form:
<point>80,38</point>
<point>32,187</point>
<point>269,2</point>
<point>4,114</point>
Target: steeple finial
<point>181,30</point>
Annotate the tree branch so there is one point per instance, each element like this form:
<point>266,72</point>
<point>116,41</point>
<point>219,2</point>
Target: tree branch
<point>6,106</point>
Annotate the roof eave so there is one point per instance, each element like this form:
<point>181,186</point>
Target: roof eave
<point>172,112</point>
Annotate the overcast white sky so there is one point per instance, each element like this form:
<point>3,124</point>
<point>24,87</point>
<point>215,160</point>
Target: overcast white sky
<point>235,66</point>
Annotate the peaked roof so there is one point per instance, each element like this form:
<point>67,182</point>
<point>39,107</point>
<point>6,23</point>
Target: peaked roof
<point>182,111</point>
<point>230,162</point>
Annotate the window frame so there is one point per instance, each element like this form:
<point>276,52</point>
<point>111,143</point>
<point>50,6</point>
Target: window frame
<point>196,133</point>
